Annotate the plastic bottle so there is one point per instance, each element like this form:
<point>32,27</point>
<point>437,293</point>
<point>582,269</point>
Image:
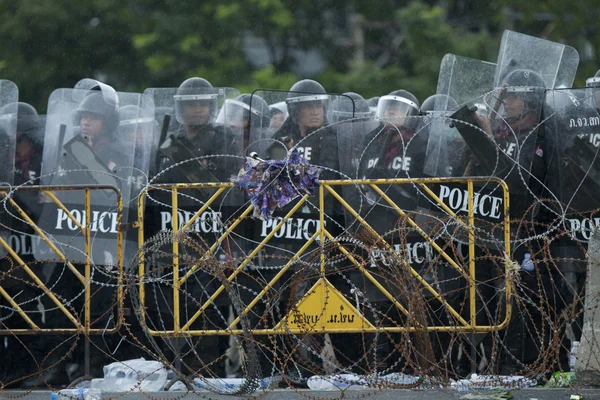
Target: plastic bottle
<point>79,394</point>
<point>462,385</point>
<point>527,263</point>
<point>573,359</point>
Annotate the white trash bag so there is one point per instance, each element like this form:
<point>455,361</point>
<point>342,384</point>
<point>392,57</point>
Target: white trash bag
<point>138,374</point>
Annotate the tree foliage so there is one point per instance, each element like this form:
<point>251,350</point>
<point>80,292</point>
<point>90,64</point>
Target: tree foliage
<point>134,44</point>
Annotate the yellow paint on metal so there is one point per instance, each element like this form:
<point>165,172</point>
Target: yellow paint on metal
<point>324,308</point>
<point>79,327</point>
<point>321,309</point>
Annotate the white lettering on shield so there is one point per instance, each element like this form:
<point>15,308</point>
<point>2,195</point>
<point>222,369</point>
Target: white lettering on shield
<point>398,163</point>
<point>306,152</point>
<point>105,222</point>
<point>457,199</point>
<point>293,228</point>
<point>585,226</point>
<point>207,222</point>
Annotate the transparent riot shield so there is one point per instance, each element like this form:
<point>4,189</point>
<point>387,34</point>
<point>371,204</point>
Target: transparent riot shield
<point>388,150</point>
<point>191,149</point>
<point>318,145</point>
<point>555,62</point>
<point>503,136</point>
<point>136,129</point>
<point>9,96</point>
<point>462,81</point>
<point>27,171</point>
<point>83,147</point>
<point>572,121</point>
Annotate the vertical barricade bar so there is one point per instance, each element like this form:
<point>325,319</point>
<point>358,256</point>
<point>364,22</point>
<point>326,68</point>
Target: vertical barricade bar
<point>142,256</point>
<point>120,258</point>
<point>322,227</point>
<point>472,291</point>
<point>175,219</point>
<point>87,233</point>
<point>509,285</point>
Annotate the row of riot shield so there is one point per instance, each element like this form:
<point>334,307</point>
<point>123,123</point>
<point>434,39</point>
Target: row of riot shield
<point>485,120</point>
<point>9,95</point>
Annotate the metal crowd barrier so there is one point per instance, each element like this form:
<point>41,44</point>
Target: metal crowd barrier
<point>323,292</point>
<point>79,326</point>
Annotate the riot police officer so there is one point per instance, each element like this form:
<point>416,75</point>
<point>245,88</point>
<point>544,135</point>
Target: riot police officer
<point>393,149</point>
<point>306,127</point>
<point>248,117</point>
<point>202,149</point>
<point>196,109</point>
<point>277,119</point>
<point>30,143</point>
<point>517,155</point>
<point>28,157</point>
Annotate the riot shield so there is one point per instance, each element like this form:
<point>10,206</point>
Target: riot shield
<point>462,81</point>
<point>318,145</point>
<point>83,147</point>
<point>9,96</point>
<point>387,152</point>
<point>27,171</point>
<point>190,152</point>
<point>556,63</point>
<point>503,136</point>
<point>136,129</point>
<point>572,121</point>
<point>466,80</point>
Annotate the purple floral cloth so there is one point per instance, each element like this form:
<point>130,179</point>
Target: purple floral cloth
<point>274,184</point>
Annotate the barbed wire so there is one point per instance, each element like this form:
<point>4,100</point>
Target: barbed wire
<point>420,312</point>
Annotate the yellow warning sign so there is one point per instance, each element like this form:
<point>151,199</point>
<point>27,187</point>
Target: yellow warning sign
<point>323,307</point>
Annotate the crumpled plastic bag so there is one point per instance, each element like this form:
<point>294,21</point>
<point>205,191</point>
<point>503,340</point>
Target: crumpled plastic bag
<point>125,376</point>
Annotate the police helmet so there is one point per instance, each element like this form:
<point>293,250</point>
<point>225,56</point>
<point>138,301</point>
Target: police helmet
<point>438,104</point>
<point>195,90</point>
<point>131,117</point>
<point>528,84</point>
<point>405,104</point>
<point>349,106</point>
<point>593,81</point>
<point>303,92</point>
<point>103,102</point>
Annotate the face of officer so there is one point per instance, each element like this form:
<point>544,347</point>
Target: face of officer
<point>395,113</point>
<point>91,124</point>
<point>513,107</point>
<point>277,121</point>
<point>196,112</point>
<point>311,114</point>
<point>24,145</point>
<point>515,112</point>
<point>136,134</point>
<point>238,126</point>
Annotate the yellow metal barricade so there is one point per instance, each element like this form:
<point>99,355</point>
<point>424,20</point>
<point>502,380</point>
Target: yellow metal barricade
<point>318,310</point>
<point>49,194</point>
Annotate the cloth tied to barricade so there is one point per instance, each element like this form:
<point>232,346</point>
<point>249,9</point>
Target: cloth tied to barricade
<point>273,184</point>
